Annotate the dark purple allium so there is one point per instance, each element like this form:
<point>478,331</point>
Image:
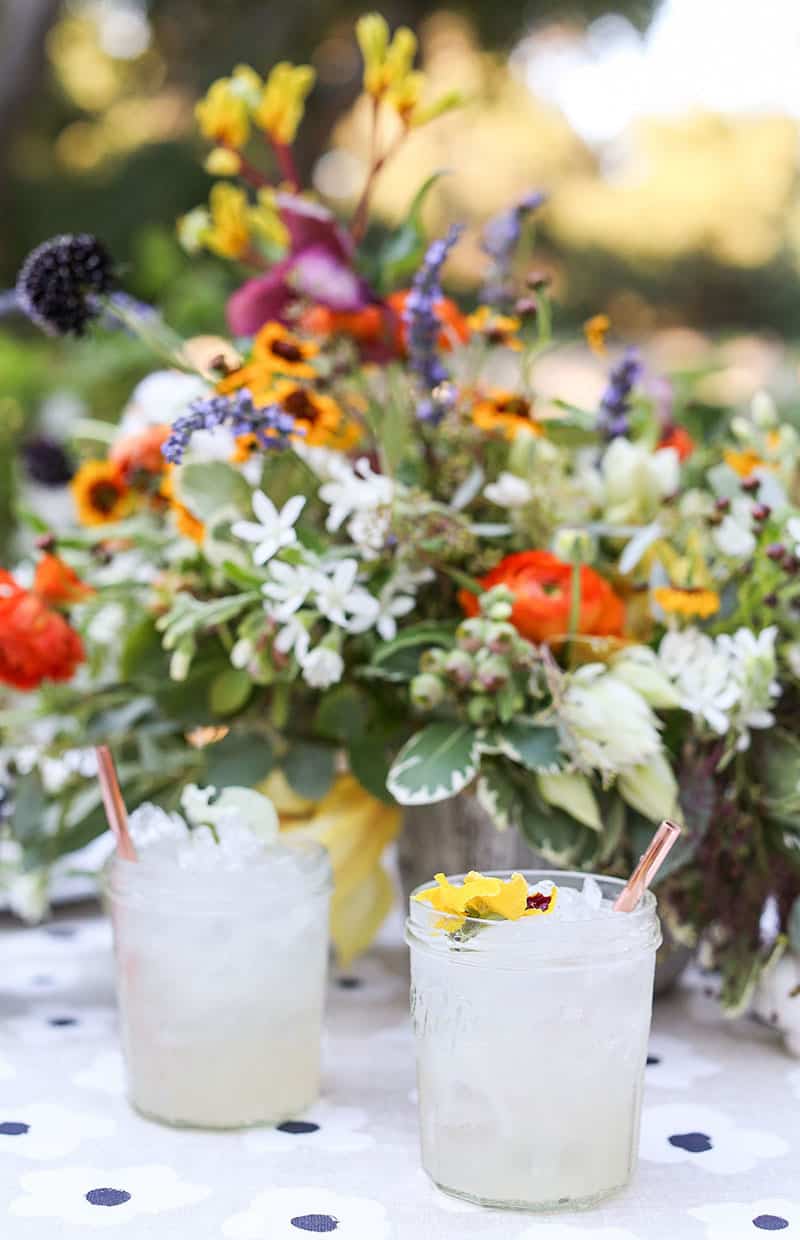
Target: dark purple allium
<point>423,327</point>
<point>612,419</point>
<point>59,281</point>
<point>500,239</point>
<point>47,461</point>
<point>271,425</point>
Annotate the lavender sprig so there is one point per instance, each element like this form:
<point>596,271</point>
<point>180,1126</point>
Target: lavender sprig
<point>423,325</point>
<point>271,425</point>
<point>612,419</point>
<point>500,239</point>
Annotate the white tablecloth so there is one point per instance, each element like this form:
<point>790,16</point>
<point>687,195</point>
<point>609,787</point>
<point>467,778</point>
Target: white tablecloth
<point>720,1156</point>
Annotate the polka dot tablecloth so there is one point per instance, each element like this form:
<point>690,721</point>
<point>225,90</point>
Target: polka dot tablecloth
<point>720,1145</point>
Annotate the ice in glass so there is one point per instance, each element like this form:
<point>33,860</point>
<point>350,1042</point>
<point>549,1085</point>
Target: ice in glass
<point>221,939</point>
<point>531,1033</point>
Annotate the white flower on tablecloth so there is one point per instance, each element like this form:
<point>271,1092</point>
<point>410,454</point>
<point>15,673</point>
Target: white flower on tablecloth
<point>7,1069</point>
<point>691,1133</point>
<point>571,1231</point>
<point>46,1130</point>
<point>272,530</point>
<point>291,1213</point>
<point>323,1127</point>
<point>673,1063</point>
<point>103,1196</point>
<point>52,1024</point>
<point>745,1220</point>
<point>105,1073</point>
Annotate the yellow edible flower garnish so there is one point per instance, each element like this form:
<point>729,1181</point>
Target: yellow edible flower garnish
<point>282,104</point>
<point>595,330</point>
<point>482,897</point>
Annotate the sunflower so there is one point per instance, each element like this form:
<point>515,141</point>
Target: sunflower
<point>101,493</point>
<point>284,353</point>
<point>321,419</point>
<point>496,328</point>
<point>507,412</point>
<point>687,601</point>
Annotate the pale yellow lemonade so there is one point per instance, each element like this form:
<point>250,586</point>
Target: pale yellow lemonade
<point>222,950</point>
<point>531,1038</point>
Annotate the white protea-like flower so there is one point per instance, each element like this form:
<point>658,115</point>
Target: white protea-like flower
<point>509,491</point>
<point>754,667</point>
<point>605,724</point>
<point>640,667</point>
<point>636,480</point>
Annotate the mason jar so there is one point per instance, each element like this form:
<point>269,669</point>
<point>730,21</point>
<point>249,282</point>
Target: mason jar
<point>531,1041</point>
<point>220,981</point>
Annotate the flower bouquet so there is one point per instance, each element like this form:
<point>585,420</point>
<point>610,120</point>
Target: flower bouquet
<point>354,556</point>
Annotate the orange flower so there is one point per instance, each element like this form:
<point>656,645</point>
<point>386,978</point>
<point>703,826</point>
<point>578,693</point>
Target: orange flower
<point>101,493</point>
<point>321,418</point>
<point>506,412</point>
<point>595,330</point>
<point>744,463</point>
<point>368,326</point>
<point>188,524</point>
<point>496,328</point>
<point>678,437</point>
<point>141,453</point>
<point>542,588</point>
<point>36,643</point>
<point>56,582</point>
<point>283,352</point>
<point>455,327</point>
<point>687,601</point>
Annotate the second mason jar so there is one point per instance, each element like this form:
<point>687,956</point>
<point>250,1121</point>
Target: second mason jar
<point>531,1045</point>
<point>221,978</point>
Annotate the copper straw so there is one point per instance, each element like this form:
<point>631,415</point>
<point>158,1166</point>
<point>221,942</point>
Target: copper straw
<point>649,865</point>
<point>114,805</point>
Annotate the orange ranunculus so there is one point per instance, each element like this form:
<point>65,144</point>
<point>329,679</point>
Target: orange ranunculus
<point>455,328</point>
<point>541,585</point>
<point>141,453</point>
<point>678,438</point>
<point>56,582</point>
<point>36,643</point>
<point>367,326</point>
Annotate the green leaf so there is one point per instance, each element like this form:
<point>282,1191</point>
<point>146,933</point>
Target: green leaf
<point>206,487</point>
<point>404,250</point>
<point>30,803</point>
<point>142,652</point>
<point>368,756</point>
<point>229,691</point>
<point>425,634</point>
<point>241,758</point>
<point>342,714</point>
<point>556,835</point>
<point>244,577</point>
<point>309,768</point>
<point>437,763</point>
<point>534,746</point>
<point>793,926</point>
<point>498,794</point>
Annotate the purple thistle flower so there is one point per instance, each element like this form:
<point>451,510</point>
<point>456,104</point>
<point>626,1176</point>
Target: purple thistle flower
<point>419,316</point>
<point>59,281</point>
<point>47,461</point>
<point>500,239</point>
<point>612,419</point>
<point>271,425</point>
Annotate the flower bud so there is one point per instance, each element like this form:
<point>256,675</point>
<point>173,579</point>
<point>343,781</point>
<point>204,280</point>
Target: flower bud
<point>427,691</point>
<point>497,603</point>
<point>432,660</point>
<point>459,667</point>
<point>500,611</point>
<point>501,638</point>
<point>576,546</point>
<point>492,673</point>
<point>761,512</point>
<point>776,552</point>
<point>481,710</point>
<point>751,485</point>
<point>723,504</point>
<point>763,411</point>
<point>470,634</point>
<point>741,428</point>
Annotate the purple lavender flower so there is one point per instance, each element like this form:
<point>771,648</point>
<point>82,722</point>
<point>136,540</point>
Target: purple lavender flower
<point>500,239</point>
<point>271,425</point>
<point>423,326</point>
<point>612,419</point>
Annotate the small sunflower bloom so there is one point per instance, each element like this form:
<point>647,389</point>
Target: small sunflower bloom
<point>595,330</point>
<point>101,494</point>
<point>282,104</point>
<point>687,601</point>
<point>507,413</point>
<point>319,419</point>
<point>284,352</point>
<point>499,329</point>
<point>223,115</point>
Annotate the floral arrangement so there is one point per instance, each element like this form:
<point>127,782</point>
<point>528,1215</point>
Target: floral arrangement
<point>355,536</point>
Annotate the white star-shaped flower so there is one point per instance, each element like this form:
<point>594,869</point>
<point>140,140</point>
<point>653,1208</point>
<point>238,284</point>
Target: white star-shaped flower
<point>274,530</point>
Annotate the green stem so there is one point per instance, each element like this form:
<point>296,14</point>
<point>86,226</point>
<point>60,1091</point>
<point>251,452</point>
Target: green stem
<point>574,605</point>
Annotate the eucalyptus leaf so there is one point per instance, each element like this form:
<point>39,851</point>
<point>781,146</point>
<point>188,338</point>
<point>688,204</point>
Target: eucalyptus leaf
<point>229,691</point>
<point>309,768</point>
<point>368,757</point>
<point>206,487</point>
<point>241,758</point>
<point>342,714</point>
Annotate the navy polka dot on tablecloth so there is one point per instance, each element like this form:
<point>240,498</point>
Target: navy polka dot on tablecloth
<point>770,1222</point>
<point>652,1060</point>
<point>692,1142</point>
<point>107,1196</point>
<point>60,932</point>
<point>350,983</point>
<point>10,1128</point>
<point>315,1222</point>
<point>298,1126</point>
<point>62,1022</point>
